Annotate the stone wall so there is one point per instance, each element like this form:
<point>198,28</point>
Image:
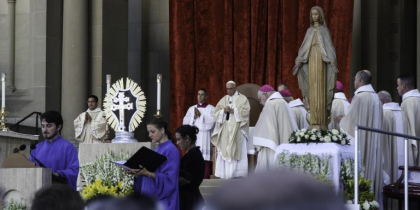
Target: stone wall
<point>30,57</point>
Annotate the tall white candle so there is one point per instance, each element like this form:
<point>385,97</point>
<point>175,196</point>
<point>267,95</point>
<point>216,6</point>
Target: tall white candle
<point>3,90</point>
<point>159,81</point>
<point>108,82</point>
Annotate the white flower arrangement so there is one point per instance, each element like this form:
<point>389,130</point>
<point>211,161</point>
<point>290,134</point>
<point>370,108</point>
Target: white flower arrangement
<point>108,177</point>
<point>319,136</point>
<point>366,197</point>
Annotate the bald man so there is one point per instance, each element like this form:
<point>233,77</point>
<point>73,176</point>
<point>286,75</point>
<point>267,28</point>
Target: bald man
<point>366,110</point>
<point>394,120</point>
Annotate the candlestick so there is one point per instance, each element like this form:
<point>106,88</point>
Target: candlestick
<point>108,86</point>
<point>159,82</point>
<point>3,126</point>
<point>3,90</point>
<point>108,82</point>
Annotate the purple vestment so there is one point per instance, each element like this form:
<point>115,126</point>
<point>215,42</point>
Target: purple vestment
<point>165,186</point>
<point>59,155</point>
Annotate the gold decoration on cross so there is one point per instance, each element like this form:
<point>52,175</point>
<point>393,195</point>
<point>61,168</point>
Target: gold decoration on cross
<point>114,94</point>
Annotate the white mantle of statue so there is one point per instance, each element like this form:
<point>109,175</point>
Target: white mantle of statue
<point>337,151</point>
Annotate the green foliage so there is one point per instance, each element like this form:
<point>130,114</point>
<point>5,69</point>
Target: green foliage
<point>14,205</point>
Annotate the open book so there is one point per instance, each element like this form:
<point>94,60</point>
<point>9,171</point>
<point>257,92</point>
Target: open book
<point>145,157</point>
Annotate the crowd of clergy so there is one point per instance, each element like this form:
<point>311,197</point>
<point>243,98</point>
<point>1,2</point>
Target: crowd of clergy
<point>226,126</point>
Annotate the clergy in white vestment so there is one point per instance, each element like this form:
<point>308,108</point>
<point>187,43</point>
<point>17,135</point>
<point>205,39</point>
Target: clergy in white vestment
<point>201,116</point>
<point>339,107</point>
<point>366,110</point>
<point>411,108</point>
<point>230,134</point>
<point>90,126</point>
<point>287,96</point>
<point>395,121</point>
<point>299,113</point>
<point>273,128</point>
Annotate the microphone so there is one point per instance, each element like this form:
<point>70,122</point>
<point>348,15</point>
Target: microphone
<point>21,148</point>
<point>33,146</point>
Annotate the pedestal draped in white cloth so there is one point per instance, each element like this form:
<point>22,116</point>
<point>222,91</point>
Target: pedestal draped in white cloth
<point>338,152</point>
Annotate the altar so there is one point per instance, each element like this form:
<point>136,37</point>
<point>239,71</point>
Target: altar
<point>331,153</point>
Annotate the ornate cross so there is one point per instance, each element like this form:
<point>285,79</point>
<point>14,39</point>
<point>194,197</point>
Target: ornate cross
<point>121,107</point>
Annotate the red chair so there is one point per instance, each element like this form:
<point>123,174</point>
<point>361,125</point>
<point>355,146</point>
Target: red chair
<point>396,190</point>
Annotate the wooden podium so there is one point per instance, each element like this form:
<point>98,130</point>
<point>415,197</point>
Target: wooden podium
<point>20,178</point>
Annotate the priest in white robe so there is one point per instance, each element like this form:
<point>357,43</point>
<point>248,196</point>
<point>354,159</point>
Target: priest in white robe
<point>339,107</point>
<point>273,128</point>
<point>287,96</point>
<point>90,126</point>
<point>394,120</point>
<point>366,110</point>
<point>298,110</point>
<point>201,116</point>
<point>230,134</point>
<point>411,108</point>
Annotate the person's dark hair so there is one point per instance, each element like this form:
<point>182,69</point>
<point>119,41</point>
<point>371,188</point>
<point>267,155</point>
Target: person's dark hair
<point>95,97</point>
<point>131,202</point>
<point>365,76</point>
<point>160,123</point>
<point>408,80</point>
<point>53,117</point>
<point>279,189</point>
<point>202,89</point>
<point>57,196</point>
<point>188,130</point>
<point>285,86</point>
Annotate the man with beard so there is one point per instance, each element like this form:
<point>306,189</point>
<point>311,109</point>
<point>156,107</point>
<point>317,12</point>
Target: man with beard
<point>55,152</point>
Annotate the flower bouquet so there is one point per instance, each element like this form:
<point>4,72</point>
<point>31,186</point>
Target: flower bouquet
<point>319,136</point>
<point>105,178</point>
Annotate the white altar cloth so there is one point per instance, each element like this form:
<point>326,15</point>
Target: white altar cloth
<point>337,151</point>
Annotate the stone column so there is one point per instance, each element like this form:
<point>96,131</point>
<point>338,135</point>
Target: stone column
<point>418,47</point>
<point>10,79</point>
<point>356,58</point>
<point>75,63</point>
<point>96,46</point>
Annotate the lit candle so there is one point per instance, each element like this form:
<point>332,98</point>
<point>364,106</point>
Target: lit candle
<point>108,82</point>
<point>159,81</point>
<point>3,90</point>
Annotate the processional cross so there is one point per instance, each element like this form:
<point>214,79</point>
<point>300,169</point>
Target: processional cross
<point>121,107</point>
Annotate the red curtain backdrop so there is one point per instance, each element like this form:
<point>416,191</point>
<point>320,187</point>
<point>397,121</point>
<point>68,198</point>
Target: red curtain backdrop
<point>248,41</point>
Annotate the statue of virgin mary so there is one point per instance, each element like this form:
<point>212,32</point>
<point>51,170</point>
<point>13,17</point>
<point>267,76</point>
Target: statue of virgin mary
<point>316,69</point>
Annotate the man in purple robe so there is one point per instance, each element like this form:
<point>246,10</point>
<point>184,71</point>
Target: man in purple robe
<point>55,152</point>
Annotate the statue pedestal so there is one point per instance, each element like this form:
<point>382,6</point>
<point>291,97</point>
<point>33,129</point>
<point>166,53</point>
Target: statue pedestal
<point>124,137</point>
